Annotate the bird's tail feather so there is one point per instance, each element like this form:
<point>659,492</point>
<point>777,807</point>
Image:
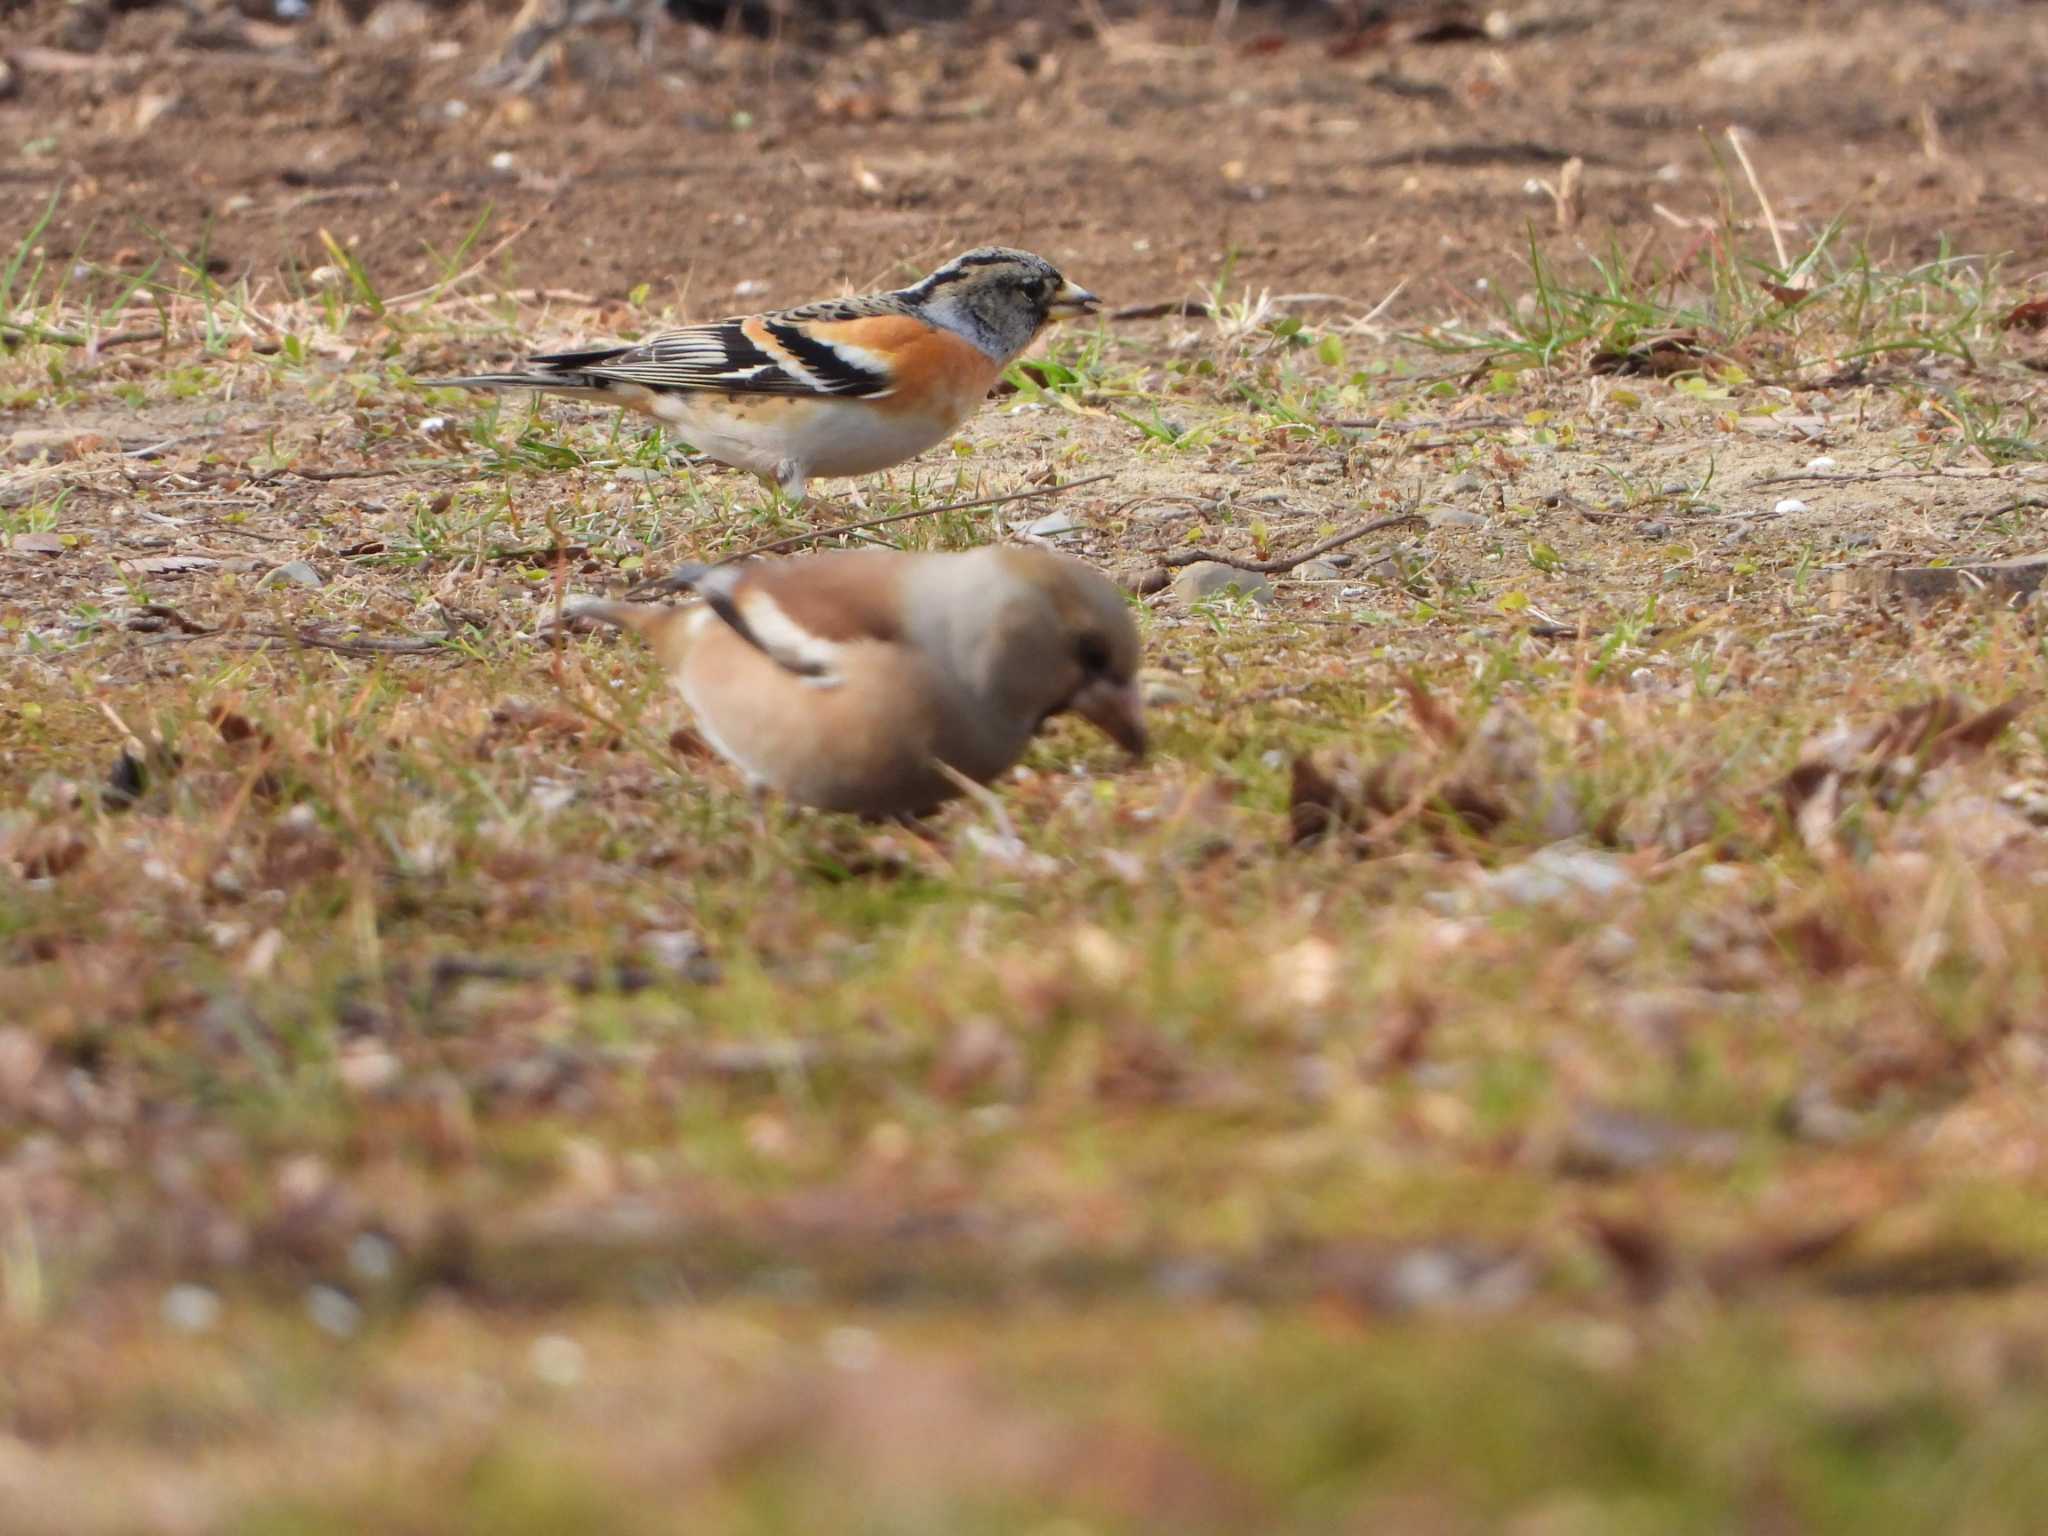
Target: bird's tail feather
<point>549,383</point>
<point>664,626</point>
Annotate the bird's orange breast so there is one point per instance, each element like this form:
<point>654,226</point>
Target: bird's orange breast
<point>938,373</point>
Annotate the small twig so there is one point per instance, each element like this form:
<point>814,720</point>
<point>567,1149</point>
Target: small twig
<point>1161,575</point>
<point>1423,423</point>
<point>423,295</point>
<point>991,803</point>
<point>2022,504</point>
<point>155,450</point>
<point>309,639</point>
<point>1570,503</point>
<point>328,474</point>
<point>1186,309</point>
<point>1849,477</point>
<point>36,332</point>
<point>1471,153</point>
<point>360,645</point>
<point>1552,629</point>
<point>175,619</point>
<point>538,552</point>
<point>1735,138</point>
<point>797,540</point>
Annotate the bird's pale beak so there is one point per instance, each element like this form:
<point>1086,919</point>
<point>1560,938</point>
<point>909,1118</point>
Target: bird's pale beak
<point>1071,300</point>
<point>1116,710</point>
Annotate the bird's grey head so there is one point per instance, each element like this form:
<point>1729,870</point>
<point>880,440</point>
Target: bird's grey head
<point>1026,634</point>
<point>998,298</point>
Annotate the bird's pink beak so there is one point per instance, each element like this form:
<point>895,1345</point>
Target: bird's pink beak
<point>1116,710</point>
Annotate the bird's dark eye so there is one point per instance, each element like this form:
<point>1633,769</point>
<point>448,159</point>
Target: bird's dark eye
<point>1093,652</point>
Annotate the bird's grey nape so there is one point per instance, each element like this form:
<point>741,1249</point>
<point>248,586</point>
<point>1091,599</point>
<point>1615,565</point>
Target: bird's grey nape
<point>997,317</point>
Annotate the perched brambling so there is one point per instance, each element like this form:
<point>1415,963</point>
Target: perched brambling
<point>839,387</point>
<point>845,680</point>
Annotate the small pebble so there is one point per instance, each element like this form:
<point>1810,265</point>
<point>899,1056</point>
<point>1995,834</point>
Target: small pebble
<point>1822,465</point>
<point>190,1308</point>
<point>677,951</point>
<point>1789,505</point>
<point>1054,525</point>
<point>1453,517</point>
<point>556,1359</point>
<point>332,1311</point>
<point>1558,873</point>
<point>853,1349</point>
<point>372,1256</point>
<point>1157,690</point>
<point>1211,578</point>
<point>502,160</point>
<point>1654,529</point>
<point>293,573</point>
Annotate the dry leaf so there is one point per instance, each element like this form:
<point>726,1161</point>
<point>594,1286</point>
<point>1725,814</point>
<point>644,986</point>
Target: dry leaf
<point>170,565</point>
<point>1886,759</point>
<point>2031,315</point>
<point>1464,783</point>
<point>1438,723</point>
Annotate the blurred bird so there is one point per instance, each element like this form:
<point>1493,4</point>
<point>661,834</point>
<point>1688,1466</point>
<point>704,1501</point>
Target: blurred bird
<point>846,680</point>
<point>840,387</point>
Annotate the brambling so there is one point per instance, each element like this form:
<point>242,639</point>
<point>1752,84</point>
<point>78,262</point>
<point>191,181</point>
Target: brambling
<point>846,680</point>
<point>839,387</point>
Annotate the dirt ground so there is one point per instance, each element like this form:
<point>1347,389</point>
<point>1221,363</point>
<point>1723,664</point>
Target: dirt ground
<point>1303,159</point>
<point>1550,1042</point>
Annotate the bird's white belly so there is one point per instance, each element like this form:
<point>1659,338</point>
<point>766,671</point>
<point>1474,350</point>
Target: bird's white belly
<point>816,438</point>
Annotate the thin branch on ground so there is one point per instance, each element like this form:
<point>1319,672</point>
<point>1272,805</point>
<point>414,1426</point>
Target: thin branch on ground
<point>1423,423</point>
<point>1852,476</point>
<point>1160,576</point>
<point>328,474</point>
<point>308,637</point>
<point>816,535</point>
<point>33,332</point>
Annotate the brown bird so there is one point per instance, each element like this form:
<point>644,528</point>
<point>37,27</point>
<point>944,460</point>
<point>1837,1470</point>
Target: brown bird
<point>854,681</point>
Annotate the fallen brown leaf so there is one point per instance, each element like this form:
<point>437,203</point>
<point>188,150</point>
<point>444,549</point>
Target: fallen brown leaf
<point>2030,315</point>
